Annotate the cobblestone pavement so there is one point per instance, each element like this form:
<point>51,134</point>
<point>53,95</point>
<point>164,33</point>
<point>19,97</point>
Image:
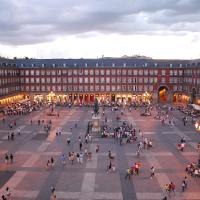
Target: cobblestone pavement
<point>29,179</point>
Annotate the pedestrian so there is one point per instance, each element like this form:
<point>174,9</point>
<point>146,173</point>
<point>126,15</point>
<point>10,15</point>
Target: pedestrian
<point>71,157</point>
<point>78,157</point>
<point>97,148</point>
<point>48,164</point>
<point>109,167</point>
<point>6,158</point>
<point>182,146</point>
<point>12,136</point>
<point>166,188</point>
<point>152,172</point>
<point>81,157</point>
<point>137,168</point>
<point>8,136</point>
<point>52,190</point>
<point>110,156</point>
<point>52,162</point>
<point>80,146</point>
<point>128,173</point>
<point>172,187</point>
<point>86,139</point>
<point>3,197</point>
<point>68,141</point>
<point>90,137</point>
<point>11,158</point>
<point>185,180</point>
<point>183,186</point>
<point>8,193</point>
<point>63,159</point>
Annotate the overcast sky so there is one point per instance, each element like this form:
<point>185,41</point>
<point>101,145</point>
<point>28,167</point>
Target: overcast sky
<point>92,28</point>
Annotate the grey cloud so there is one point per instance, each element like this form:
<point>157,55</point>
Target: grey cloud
<point>36,21</point>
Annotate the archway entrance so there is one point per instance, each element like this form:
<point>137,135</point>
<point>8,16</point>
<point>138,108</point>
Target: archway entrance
<point>163,94</point>
<point>193,95</point>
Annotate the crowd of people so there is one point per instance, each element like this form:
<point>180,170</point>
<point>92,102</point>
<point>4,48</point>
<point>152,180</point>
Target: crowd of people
<point>193,169</point>
<point>123,133</point>
<point>21,108</point>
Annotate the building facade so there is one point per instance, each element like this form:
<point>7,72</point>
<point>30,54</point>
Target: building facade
<point>80,81</point>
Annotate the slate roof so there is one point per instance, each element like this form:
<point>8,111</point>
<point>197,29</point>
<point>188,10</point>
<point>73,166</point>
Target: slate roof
<point>101,63</point>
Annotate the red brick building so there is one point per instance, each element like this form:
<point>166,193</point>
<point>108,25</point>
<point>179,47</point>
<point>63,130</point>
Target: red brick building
<point>107,79</point>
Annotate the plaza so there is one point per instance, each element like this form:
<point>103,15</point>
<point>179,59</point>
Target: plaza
<point>29,178</point>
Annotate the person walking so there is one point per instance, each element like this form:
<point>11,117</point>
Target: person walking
<point>63,159</point>
<point>48,164</point>
<point>109,167</point>
<point>183,186</point>
<point>152,172</point>
<point>12,136</point>
<point>3,197</point>
<point>8,193</point>
<point>128,173</point>
<point>80,146</point>
<point>53,191</point>
<point>68,141</point>
<point>78,157</point>
<point>172,187</point>
<point>185,180</point>
<point>97,148</point>
<point>81,157</point>
<point>11,158</point>
<point>52,162</point>
<point>6,158</point>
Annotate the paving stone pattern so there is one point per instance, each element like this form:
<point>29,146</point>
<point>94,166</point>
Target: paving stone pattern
<point>28,177</point>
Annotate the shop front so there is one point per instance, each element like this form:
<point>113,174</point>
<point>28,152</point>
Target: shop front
<point>51,97</point>
<point>181,98</point>
<point>39,98</point>
<point>11,99</point>
<point>163,94</point>
<point>145,97</point>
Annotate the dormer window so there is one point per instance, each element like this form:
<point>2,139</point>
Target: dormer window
<point>97,64</point>
<point>74,64</point>
<point>43,64</point>
<point>155,64</point>
<point>145,64</point>
<point>170,65</point>
<point>124,64</point>
<point>113,64</point>
<point>85,64</point>
<point>64,64</point>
